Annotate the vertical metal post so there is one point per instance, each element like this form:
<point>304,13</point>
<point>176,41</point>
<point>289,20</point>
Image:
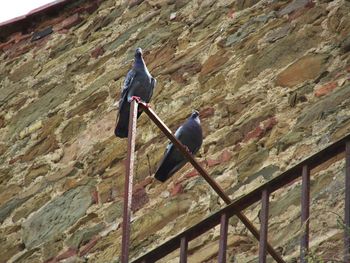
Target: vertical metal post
<point>264,217</point>
<point>305,213</point>
<point>347,204</point>
<point>129,181</point>
<point>183,249</point>
<point>223,239</point>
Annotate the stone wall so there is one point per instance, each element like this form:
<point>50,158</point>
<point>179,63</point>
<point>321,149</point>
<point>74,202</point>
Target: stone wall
<point>270,79</point>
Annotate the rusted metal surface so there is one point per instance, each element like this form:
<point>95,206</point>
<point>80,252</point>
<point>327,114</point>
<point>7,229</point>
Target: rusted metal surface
<point>223,239</point>
<point>161,125</point>
<point>347,204</point>
<point>244,202</point>
<point>129,176</point>
<point>183,249</point>
<point>305,213</point>
<point>264,219</point>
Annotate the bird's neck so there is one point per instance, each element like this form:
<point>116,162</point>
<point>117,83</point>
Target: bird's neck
<point>197,120</point>
<point>140,64</point>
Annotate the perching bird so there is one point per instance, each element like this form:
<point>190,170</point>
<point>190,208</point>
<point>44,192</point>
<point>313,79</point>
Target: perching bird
<point>190,135</point>
<point>138,83</point>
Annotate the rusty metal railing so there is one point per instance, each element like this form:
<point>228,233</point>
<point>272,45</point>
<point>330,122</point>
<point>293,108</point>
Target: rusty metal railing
<point>234,208</point>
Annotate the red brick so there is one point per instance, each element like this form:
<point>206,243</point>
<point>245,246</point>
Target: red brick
<point>99,51</point>
<point>88,8</point>
<point>193,173</point>
<point>206,112</point>
<point>67,254</point>
<point>301,12</point>
<point>14,160</point>
<point>5,46</point>
<point>85,249</point>
<point>269,123</point>
<point>325,89</point>
<point>213,63</point>
<point>262,128</point>
<point>176,189</point>
<point>144,182</point>
<point>212,162</point>
<point>94,196</point>
<point>256,133</point>
<point>225,156</point>
<point>306,68</point>
<point>68,22</point>
<point>231,13</point>
<point>139,199</point>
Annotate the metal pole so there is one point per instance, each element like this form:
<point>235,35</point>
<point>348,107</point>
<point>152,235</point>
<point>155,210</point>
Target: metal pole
<point>305,213</point>
<point>223,239</point>
<point>264,218</point>
<point>153,116</point>
<point>347,204</point>
<point>129,181</point>
<point>183,249</point>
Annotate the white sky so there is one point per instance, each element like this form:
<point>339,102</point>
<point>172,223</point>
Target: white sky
<point>12,8</point>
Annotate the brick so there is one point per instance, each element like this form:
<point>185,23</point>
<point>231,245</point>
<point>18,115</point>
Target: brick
<point>193,173</point>
<point>256,133</point>
<point>99,51</point>
<point>212,162</point>
<point>206,112</point>
<point>225,156</point>
<point>68,22</point>
<point>177,189</point>
<point>261,129</point>
<point>67,254</point>
<point>306,68</point>
<point>325,89</point>
<point>86,249</point>
<point>94,196</point>
<point>139,199</point>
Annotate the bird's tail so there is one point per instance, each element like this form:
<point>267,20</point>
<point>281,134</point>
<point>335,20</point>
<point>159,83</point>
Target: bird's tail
<point>121,129</point>
<point>167,168</point>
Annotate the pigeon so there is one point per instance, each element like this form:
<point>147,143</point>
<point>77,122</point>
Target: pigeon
<point>138,83</point>
<point>191,136</point>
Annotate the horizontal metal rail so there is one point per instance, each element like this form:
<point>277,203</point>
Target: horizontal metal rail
<point>254,196</point>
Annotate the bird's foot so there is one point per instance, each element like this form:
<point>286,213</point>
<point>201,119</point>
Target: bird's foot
<point>137,99</point>
<point>148,105</point>
<point>187,149</point>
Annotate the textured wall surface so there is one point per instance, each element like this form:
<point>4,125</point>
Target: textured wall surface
<point>271,82</point>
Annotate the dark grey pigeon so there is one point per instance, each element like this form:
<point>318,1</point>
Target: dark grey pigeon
<point>138,83</point>
<point>189,134</point>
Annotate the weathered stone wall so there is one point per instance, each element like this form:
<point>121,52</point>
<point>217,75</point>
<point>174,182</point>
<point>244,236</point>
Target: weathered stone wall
<point>270,79</point>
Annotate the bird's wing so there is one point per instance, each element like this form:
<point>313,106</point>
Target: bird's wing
<point>153,85</point>
<point>177,134</point>
<point>127,84</point>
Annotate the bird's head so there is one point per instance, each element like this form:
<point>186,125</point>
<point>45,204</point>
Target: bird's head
<point>138,52</point>
<point>195,114</point>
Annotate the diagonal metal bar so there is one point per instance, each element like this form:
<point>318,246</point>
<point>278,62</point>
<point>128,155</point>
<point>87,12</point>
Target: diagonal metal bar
<point>347,204</point>
<point>161,125</point>
<point>305,213</point>
<point>129,176</point>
